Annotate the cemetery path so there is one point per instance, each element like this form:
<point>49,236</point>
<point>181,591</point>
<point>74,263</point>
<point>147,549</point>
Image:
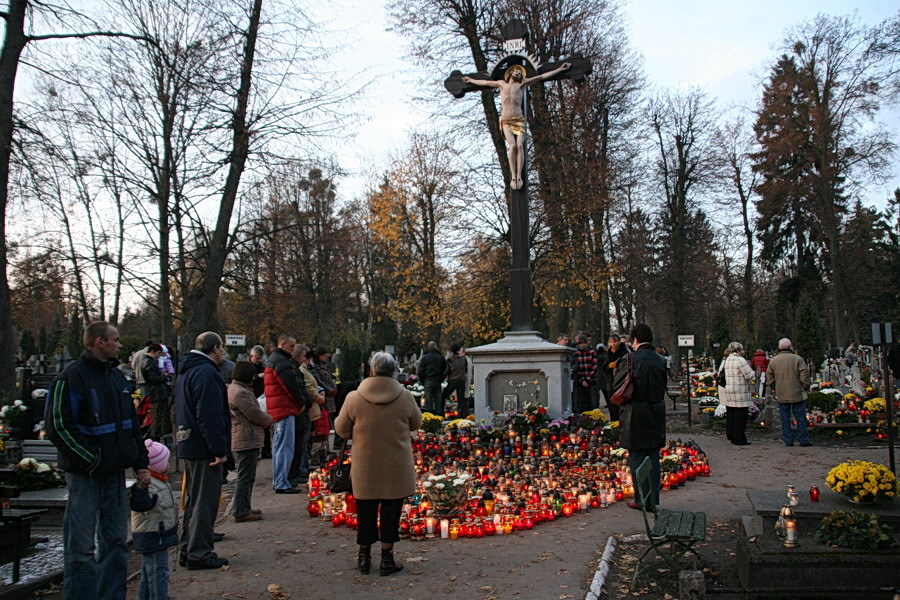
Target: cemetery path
<point>311,560</point>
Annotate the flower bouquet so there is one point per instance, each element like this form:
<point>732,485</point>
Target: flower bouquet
<point>862,481</point>
<point>431,423</point>
<point>533,418</point>
<point>854,529</point>
<point>13,413</point>
<point>30,474</point>
<point>448,492</point>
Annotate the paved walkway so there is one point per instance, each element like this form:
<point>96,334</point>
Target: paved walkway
<point>311,560</point>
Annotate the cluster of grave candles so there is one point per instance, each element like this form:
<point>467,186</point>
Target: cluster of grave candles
<point>517,482</point>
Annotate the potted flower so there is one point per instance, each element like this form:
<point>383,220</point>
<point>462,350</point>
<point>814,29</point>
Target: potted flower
<point>447,492</point>
<point>431,423</point>
<point>15,416</point>
<point>861,481</point>
<point>854,529</point>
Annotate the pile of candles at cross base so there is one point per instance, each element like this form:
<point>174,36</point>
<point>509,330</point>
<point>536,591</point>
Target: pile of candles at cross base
<point>512,482</point>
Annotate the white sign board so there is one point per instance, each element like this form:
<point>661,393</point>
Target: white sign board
<point>685,341</point>
<point>235,340</point>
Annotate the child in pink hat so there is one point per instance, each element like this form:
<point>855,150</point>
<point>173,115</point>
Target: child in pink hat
<point>154,522</point>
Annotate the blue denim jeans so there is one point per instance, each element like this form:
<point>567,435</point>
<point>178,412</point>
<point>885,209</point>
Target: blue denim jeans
<point>282,452</point>
<point>154,576</point>
<point>97,508</point>
<point>799,411</point>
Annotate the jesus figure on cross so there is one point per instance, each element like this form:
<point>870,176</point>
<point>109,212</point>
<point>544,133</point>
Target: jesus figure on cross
<point>512,119</point>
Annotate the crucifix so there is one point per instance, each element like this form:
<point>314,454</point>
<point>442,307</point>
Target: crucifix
<point>512,75</point>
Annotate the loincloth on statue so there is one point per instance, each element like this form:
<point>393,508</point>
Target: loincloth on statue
<point>515,124</point>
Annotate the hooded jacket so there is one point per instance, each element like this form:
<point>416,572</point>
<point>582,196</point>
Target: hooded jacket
<point>379,417</point>
<point>91,420</point>
<point>154,517</point>
<point>201,409</point>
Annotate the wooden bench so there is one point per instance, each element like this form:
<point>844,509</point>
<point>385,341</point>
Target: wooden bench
<point>41,450</point>
<point>673,533</point>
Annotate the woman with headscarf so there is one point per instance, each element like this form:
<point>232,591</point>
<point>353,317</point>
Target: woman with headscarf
<point>378,417</point>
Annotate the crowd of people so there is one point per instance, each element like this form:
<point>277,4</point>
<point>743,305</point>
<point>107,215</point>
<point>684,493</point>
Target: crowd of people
<point>218,416</point>
<point>214,414</point>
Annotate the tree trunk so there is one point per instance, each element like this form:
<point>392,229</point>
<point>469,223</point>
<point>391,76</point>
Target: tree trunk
<point>13,44</point>
<point>201,304</point>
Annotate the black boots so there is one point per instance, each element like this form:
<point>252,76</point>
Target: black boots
<point>364,559</point>
<point>388,566</point>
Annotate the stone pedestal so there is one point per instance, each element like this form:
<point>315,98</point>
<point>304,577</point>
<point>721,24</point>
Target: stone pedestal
<point>521,368</point>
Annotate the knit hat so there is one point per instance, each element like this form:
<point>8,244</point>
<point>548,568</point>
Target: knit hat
<point>158,456</point>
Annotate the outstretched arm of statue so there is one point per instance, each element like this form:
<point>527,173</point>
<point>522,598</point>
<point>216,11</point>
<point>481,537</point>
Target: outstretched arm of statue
<point>563,67</point>
<point>482,82</point>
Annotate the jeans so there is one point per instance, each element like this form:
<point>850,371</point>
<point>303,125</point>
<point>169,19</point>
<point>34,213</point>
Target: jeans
<point>433,402</point>
<point>154,576</point>
<point>97,508</point>
<point>369,531</point>
<point>300,463</point>
<point>635,458</point>
<point>201,504</point>
<point>246,476</point>
<point>282,452</point>
<point>799,411</point>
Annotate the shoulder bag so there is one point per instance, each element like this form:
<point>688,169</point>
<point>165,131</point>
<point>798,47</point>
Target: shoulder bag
<point>339,480</point>
<point>623,395</point>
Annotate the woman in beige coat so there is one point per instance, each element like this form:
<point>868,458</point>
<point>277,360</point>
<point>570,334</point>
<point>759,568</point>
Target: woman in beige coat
<point>379,417</point>
<point>248,423</point>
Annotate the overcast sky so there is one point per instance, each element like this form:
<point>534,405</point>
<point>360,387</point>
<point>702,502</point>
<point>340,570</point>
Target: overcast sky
<point>723,46</point>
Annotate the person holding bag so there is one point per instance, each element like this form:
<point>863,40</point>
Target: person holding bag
<point>736,394</point>
<point>379,417</point>
<point>642,420</point>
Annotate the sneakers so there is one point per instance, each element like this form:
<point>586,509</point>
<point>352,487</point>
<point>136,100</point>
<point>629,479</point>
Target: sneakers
<point>211,562</point>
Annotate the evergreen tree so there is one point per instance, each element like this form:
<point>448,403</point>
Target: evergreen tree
<point>808,330</point>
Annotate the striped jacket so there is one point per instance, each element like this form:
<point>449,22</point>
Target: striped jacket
<point>91,420</point>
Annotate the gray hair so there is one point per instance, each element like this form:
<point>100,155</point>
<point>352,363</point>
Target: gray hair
<point>785,344</point>
<point>257,350</point>
<point>207,342</point>
<point>383,364</point>
<point>736,347</point>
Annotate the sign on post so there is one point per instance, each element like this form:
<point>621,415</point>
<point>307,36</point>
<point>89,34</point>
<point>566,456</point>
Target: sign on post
<point>235,340</point>
<point>685,341</point>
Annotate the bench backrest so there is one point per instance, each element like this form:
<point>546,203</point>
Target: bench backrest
<point>642,482</point>
<point>40,450</point>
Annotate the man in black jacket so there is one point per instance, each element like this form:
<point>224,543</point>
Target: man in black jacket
<point>642,422</point>
<point>203,439</point>
<point>90,418</point>
<point>432,367</point>
<point>156,386</point>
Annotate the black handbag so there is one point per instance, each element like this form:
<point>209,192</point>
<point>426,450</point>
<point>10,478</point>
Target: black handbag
<point>720,376</point>
<point>339,480</point>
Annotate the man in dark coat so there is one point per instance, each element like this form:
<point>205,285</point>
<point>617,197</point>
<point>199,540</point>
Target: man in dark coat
<point>91,420</point>
<point>431,371</point>
<point>155,384</point>
<point>203,441</point>
<point>642,422</point>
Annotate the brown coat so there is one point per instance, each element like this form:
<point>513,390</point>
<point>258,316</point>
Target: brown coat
<point>788,378</point>
<point>248,420</point>
<point>379,417</point>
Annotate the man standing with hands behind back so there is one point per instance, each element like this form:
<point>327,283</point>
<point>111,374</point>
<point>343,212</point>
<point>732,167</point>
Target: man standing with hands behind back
<point>91,420</point>
<point>203,441</point>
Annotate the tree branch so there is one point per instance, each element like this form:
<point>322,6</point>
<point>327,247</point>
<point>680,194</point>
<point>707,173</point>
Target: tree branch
<point>60,36</point>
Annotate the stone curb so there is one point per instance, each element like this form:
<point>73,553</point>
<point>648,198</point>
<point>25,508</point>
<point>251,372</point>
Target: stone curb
<point>603,568</point>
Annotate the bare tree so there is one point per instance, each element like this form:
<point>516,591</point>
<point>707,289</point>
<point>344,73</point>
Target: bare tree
<point>15,41</point>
